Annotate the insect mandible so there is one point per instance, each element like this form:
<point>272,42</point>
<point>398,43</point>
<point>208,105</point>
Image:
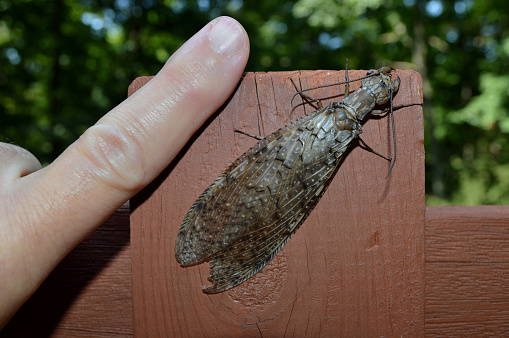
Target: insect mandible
<point>243,219</point>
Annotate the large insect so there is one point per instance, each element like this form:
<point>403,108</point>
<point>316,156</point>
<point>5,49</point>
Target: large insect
<point>254,207</point>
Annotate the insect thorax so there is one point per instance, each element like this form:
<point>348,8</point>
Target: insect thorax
<point>359,103</point>
<point>344,118</point>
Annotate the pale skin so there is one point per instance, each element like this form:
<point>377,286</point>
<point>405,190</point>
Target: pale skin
<point>45,213</point>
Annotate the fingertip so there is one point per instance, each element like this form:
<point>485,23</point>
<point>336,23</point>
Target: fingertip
<point>221,46</point>
<point>227,36</point>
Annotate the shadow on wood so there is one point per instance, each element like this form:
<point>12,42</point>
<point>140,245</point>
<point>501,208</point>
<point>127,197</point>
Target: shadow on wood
<point>86,291</point>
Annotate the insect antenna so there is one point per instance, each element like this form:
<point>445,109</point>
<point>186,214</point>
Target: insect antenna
<point>393,161</point>
<point>299,92</point>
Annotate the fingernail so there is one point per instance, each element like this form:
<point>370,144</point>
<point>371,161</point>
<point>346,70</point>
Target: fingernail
<point>227,36</point>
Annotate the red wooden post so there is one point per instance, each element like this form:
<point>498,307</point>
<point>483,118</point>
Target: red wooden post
<point>355,268</point>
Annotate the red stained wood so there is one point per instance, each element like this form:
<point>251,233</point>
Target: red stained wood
<point>355,268</point>
<point>467,264</point>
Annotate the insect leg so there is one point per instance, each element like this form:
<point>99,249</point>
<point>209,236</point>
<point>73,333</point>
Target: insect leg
<point>368,148</point>
<point>304,96</point>
<point>399,106</point>
<point>247,134</point>
<point>378,112</point>
<point>347,80</point>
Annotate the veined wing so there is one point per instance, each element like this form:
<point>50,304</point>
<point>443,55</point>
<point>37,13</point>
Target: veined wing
<point>252,251</point>
<point>247,215</point>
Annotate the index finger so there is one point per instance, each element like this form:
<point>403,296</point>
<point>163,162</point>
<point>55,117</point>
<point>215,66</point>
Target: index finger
<point>127,148</point>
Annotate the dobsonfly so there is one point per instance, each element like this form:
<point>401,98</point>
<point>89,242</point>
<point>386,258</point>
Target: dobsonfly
<point>243,219</point>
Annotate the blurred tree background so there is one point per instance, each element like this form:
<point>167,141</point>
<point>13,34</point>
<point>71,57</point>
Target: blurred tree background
<point>65,63</point>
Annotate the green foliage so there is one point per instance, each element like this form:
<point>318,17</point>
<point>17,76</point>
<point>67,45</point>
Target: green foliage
<point>488,110</point>
<point>330,14</point>
<point>65,63</point>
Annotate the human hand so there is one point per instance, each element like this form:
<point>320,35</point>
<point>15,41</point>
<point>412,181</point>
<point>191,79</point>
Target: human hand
<point>45,213</point>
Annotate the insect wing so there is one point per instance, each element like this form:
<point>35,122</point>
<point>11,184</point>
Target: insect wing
<point>212,223</point>
<point>249,213</point>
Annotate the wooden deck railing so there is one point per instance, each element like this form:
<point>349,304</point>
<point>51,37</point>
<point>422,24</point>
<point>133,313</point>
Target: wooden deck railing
<point>371,260</point>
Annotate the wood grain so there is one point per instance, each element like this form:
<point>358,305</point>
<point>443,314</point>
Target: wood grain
<point>355,268</point>
<point>467,264</point>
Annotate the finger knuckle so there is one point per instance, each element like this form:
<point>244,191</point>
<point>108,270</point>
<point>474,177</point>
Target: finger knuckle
<point>116,156</point>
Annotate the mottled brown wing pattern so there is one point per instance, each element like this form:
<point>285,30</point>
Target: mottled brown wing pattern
<point>252,251</point>
<point>249,213</point>
<point>205,229</point>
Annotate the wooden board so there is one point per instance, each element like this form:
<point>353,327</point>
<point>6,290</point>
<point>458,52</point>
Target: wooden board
<point>467,268</point>
<point>466,273</point>
<point>355,268</point>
